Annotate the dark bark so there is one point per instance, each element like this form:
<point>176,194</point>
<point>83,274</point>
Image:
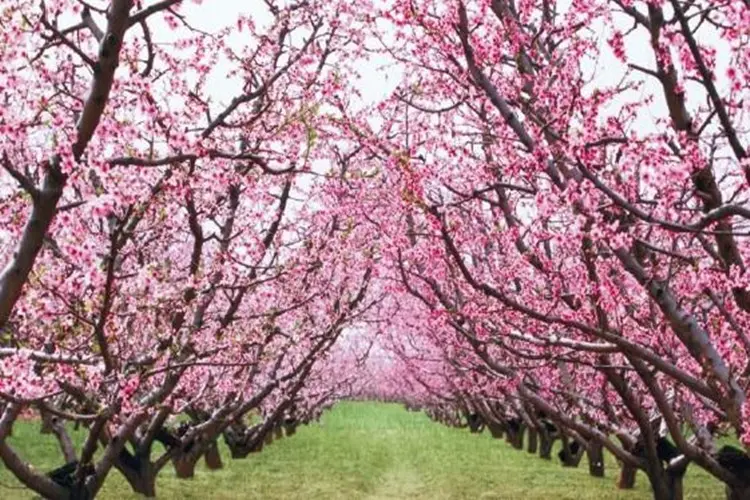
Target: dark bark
<point>496,430</point>
<point>476,423</point>
<point>674,482</point>
<point>627,477</point>
<point>571,453</point>
<point>76,479</point>
<point>533,442</point>
<point>517,440</point>
<point>738,493</point>
<point>242,440</point>
<point>238,451</point>
<point>184,464</point>
<point>514,431</point>
<point>186,457</point>
<point>137,466</point>
<point>595,453</point>
<point>546,443</point>
<point>738,463</point>
<point>268,438</point>
<point>290,427</point>
<point>139,472</point>
<point>666,483</point>
<point>666,480</point>
<point>146,486</point>
<point>213,457</point>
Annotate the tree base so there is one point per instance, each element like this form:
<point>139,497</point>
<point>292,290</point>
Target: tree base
<point>533,442</point>
<point>741,493</point>
<point>184,467</point>
<point>627,477</point>
<point>213,458</point>
<point>595,456</point>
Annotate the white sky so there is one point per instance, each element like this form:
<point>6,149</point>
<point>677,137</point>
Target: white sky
<point>373,83</point>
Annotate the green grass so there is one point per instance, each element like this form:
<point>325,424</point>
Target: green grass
<point>371,451</point>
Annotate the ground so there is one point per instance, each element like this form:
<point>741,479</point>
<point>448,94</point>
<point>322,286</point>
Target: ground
<point>369,451</point>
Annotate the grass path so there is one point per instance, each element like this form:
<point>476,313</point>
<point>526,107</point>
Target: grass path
<point>367,451</point>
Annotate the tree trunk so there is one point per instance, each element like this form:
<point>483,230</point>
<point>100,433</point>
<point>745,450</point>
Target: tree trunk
<point>146,486</point>
<point>515,438</point>
<point>595,454</point>
<point>738,493</point>
<point>213,457</point>
<point>278,432</point>
<point>184,465</point>
<point>627,477</point>
<point>241,447</point>
<point>533,441</point>
<point>237,450</point>
<point>568,457</point>
<point>674,483</point>
<point>140,474</point>
<point>545,445</point>
<point>674,474</point>
<point>495,429</point>
<point>143,483</point>
<point>81,493</point>
<point>662,485</point>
